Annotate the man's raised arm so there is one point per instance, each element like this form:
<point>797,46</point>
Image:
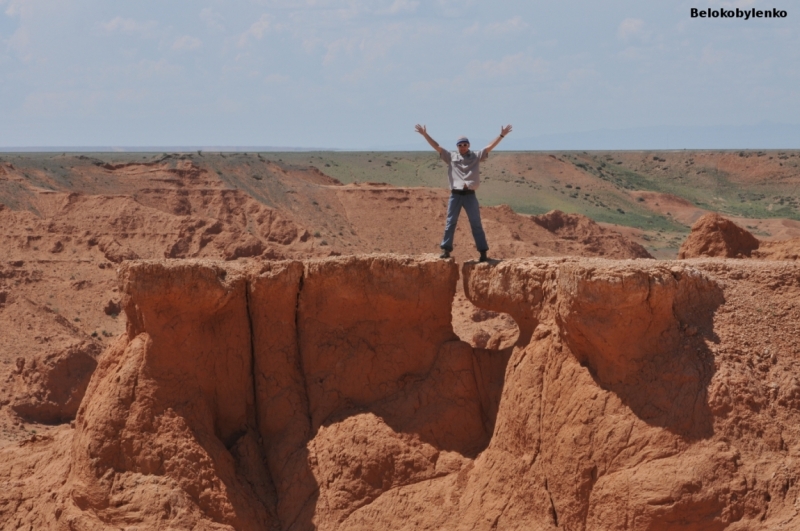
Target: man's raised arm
<point>503,132</point>
<point>424,132</point>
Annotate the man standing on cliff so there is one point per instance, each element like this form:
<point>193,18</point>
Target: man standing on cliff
<point>463,172</point>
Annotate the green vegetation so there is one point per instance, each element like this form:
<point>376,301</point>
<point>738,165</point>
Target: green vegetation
<point>708,187</point>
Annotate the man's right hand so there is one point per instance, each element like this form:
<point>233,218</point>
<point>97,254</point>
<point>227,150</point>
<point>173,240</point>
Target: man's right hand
<point>421,129</point>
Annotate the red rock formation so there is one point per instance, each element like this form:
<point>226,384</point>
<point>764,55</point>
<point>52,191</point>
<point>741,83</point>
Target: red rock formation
<point>52,359</point>
<point>50,388</point>
<point>70,220</point>
<point>629,432</point>
<point>715,236</point>
<point>595,240</point>
<point>288,395</point>
<point>332,394</point>
<point>171,407</point>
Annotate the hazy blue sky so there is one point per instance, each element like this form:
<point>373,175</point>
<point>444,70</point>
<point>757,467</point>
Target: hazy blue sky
<point>359,74</point>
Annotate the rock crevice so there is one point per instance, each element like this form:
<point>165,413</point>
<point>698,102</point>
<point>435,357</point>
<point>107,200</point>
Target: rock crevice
<point>244,365</point>
<point>333,395</point>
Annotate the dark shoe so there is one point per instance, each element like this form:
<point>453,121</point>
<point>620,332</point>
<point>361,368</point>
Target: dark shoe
<point>445,254</point>
<point>483,257</point>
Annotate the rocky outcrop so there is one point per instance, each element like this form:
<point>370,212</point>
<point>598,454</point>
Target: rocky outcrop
<point>715,236</point>
<point>610,416</point>
<point>332,394</point>
<point>596,240</point>
<point>622,406</point>
<point>285,395</point>
<point>70,221</point>
<point>113,250</point>
<point>49,389</point>
<point>46,385</point>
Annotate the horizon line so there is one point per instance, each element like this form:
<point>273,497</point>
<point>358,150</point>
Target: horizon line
<point>292,149</point>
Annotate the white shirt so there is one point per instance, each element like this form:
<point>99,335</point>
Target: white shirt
<point>464,169</point>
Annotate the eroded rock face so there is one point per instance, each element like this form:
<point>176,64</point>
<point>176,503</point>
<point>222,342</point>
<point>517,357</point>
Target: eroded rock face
<point>619,416</point>
<point>45,386</point>
<point>363,325</point>
<point>507,288</point>
<point>284,395</point>
<point>597,241</point>
<point>171,405</point>
<point>52,387</point>
<point>778,250</point>
<point>715,236</point>
<point>332,394</point>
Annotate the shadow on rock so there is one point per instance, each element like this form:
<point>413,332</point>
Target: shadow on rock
<point>53,385</point>
<point>351,404</point>
<point>642,334</point>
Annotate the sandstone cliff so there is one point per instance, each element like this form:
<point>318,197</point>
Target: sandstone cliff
<point>282,396</point>
<point>69,220</point>
<point>333,394</point>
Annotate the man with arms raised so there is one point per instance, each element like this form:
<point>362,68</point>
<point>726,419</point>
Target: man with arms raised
<point>463,172</point>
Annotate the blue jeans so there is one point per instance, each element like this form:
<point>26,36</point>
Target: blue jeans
<point>470,204</point>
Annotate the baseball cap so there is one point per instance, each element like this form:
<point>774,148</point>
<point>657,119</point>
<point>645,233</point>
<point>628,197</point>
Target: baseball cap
<point>462,139</point>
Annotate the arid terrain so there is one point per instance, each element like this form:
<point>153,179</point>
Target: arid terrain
<point>266,341</point>
<point>653,196</point>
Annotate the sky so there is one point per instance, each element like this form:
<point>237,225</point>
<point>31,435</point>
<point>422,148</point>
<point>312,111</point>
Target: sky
<point>359,74</point>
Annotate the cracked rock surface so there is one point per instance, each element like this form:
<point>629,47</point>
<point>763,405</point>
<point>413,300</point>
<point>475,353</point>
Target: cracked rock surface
<point>332,394</point>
